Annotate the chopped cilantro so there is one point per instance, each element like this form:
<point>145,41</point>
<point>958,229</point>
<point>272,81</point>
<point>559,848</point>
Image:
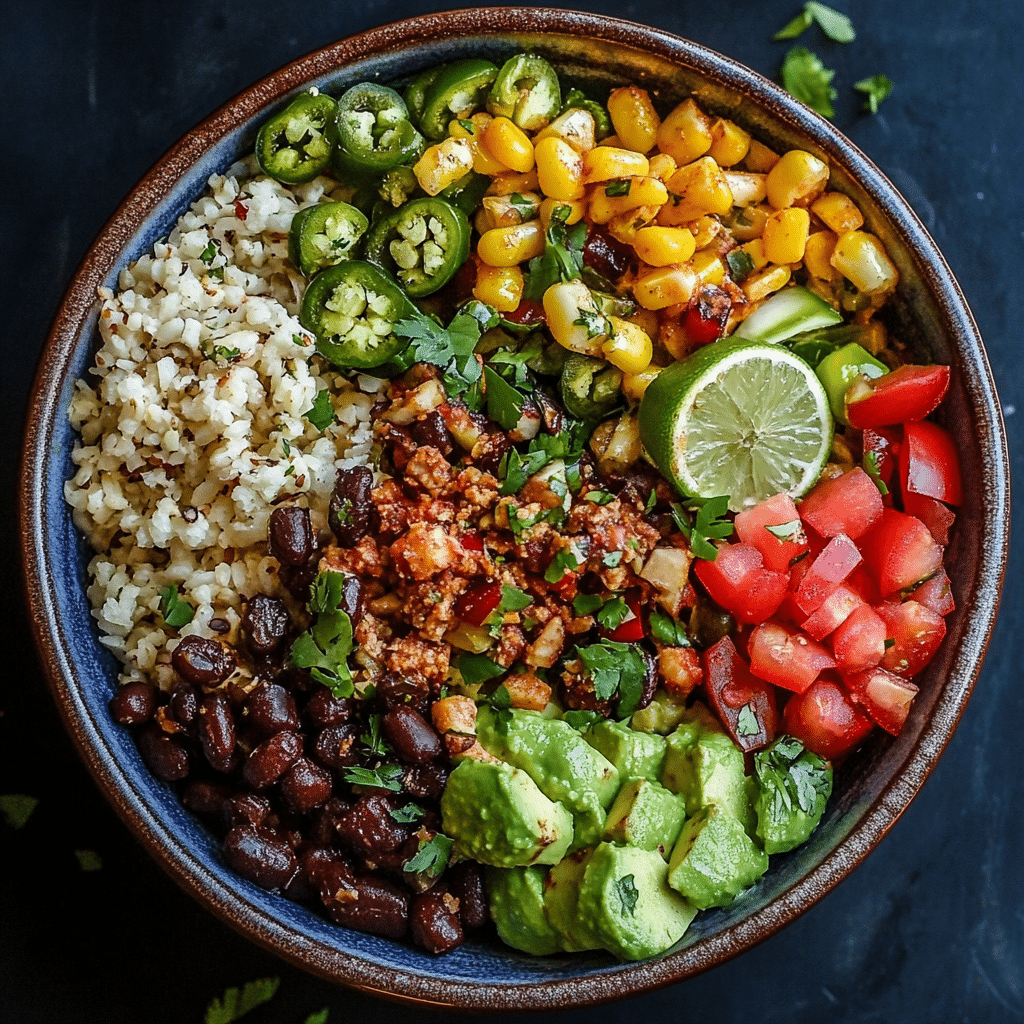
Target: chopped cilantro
<point>512,600</point>
<point>563,562</point>
<point>324,648</point>
<point>407,814</point>
<point>562,259</point>
<point>209,254</point>
<point>652,500</point>
<point>581,721</point>
<point>373,739</point>
<point>786,531</point>
<point>89,860</point>
<point>741,265</point>
<point>708,525</point>
<point>385,776</point>
<point>806,78</point>
<point>616,668</point>
<point>585,604</point>
<point>594,323</point>
<point>746,723</point>
<point>793,776</point>
<point>599,497</point>
<point>612,559</point>
<point>835,25</point>
<point>870,463</point>
<point>467,125</point>
<point>17,808</point>
<point>222,352</point>
<point>504,402</point>
<point>478,668</point>
<point>617,187</point>
<point>320,1017</point>
<point>667,630</point>
<point>613,613</point>
<point>523,206</point>
<point>628,894</point>
<point>236,1003</point>
<point>321,415</point>
<point>431,857</point>
<point>875,88</point>
<point>176,612</point>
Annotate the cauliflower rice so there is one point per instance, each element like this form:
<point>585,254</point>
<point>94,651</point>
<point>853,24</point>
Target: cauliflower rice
<point>194,429</point>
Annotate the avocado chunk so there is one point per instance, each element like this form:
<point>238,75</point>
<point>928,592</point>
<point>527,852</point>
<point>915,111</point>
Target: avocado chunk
<point>661,716</point>
<point>708,771</point>
<point>562,764</point>
<point>636,755</point>
<point>792,787</point>
<point>714,859</point>
<point>626,901</point>
<point>498,816</point>
<point>515,897</point>
<point>561,903</point>
<point>645,815</point>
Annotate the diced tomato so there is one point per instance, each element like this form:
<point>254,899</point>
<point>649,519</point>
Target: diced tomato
<point>527,313</point>
<point>732,688</point>
<point>885,443</point>
<point>936,594</point>
<point>905,394</point>
<point>916,632</point>
<point>786,657</point>
<point>472,540</point>
<point>838,559</point>
<point>861,581</point>
<point>738,581</point>
<point>900,552</point>
<point>477,603</point>
<point>859,642</point>
<point>885,697</point>
<point>705,320</point>
<point>776,511</point>
<point>936,516</point>
<point>631,628</point>
<point>848,504</point>
<point>825,719</point>
<point>834,610</point>
<point>929,464</point>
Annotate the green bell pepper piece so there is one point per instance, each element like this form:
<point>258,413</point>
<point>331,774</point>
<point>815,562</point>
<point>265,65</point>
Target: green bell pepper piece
<point>323,235</point>
<point>459,89</point>
<point>527,92</point>
<point>295,145</point>
<point>840,368</point>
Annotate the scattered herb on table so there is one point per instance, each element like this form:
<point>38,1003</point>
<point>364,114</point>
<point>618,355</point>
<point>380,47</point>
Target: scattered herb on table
<point>236,1002</point>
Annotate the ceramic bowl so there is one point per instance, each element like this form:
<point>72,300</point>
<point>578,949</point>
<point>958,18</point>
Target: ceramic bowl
<point>872,788</point>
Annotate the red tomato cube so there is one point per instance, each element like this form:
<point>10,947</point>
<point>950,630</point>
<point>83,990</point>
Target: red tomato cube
<point>848,504</point>
<point>859,642</point>
<point>744,703</point>
<point>929,464</point>
<point>837,560</point>
<point>752,527</point>
<point>884,442</point>
<point>900,552</point>
<point>936,594</point>
<point>936,516</point>
<point>476,604</point>
<point>786,657</point>
<point>738,581</point>
<point>916,632</point>
<point>885,697</point>
<point>907,393</point>
<point>834,610</point>
<point>825,720</point>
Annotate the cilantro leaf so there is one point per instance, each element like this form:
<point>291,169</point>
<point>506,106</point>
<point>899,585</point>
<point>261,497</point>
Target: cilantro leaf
<point>17,808</point>
<point>504,402</point>
<point>612,559</point>
<point>324,648</point>
<point>512,600</point>
<point>707,526</point>
<point>613,613</point>
<point>741,264</point>
<point>585,604</point>
<point>596,324</point>
<point>407,814</point>
<point>478,668</point>
<point>431,857</point>
<point>617,187</point>
<point>89,860</point>
<point>321,415</point>
<point>562,259</point>
<point>616,668</point>
<point>599,497</point>
<point>876,88</point>
<point>176,612</point>
<point>523,206</point>
<point>793,28</point>
<point>320,1017</point>
<point>236,1003</point>
<point>806,78</point>
<point>786,531</point>
<point>373,739</point>
<point>834,24</point>
<point>791,776</point>
<point>581,721</point>
<point>746,723</point>
<point>564,561</point>
<point>209,254</point>
<point>628,894</point>
<point>669,631</point>
<point>870,463</point>
<point>385,776</point>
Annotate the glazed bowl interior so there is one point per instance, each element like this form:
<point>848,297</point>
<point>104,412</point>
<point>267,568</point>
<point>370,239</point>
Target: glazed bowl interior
<point>872,788</point>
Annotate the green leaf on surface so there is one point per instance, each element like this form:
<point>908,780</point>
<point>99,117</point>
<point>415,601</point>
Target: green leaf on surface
<point>236,1003</point>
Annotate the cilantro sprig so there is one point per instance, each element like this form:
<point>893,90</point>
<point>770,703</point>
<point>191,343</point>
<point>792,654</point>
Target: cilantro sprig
<point>792,776</point>
<point>834,24</point>
<point>324,648</point>
<point>805,77</point>
<point>708,525</point>
<point>875,89</point>
<point>431,857</point>
<point>562,259</point>
<point>616,670</point>
<point>237,1002</point>
<point>384,776</point>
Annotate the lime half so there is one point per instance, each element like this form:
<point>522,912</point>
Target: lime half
<point>739,418</point>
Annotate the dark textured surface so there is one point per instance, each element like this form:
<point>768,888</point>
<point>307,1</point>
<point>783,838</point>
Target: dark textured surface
<point>930,928</point>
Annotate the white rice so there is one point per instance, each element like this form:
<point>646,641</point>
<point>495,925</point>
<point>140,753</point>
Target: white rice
<point>193,429</point>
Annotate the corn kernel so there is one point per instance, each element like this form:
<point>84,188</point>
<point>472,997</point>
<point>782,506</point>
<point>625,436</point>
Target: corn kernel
<point>500,287</point>
<point>634,118</point>
<point>624,226</point>
<point>606,162</point>
<point>704,230</point>
<point>837,212</point>
<point>701,188</point>
<point>661,247</point>
<point>749,222</point>
<point>510,246</point>
<point>666,286</point>
<point>509,145</point>
<point>686,133</point>
<point>611,140</point>
<point>729,142</point>
<point>564,303</point>
<point>576,210</point>
<point>506,184</point>
<point>442,165</point>
<point>647,319</point>
<point>559,170</point>
<point>785,235</point>
<point>796,180</point>
<point>755,250</point>
<point>662,166</point>
<point>764,282</point>
<point>503,210</point>
<point>818,255</point>
<point>576,126</point>
<point>760,159</point>
<point>708,267</point>
<point>635,384</point>
<point>628,346</point>
<point>746,189</point>
<point>861,258</point>
<point>483,161</point>
<point>640,192</point>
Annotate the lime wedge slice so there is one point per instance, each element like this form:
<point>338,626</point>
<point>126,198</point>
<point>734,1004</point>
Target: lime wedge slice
<point>740,418</point>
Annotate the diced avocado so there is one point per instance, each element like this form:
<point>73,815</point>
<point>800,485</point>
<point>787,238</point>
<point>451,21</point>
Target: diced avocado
<point>562,764</point>
<point>516,900</point>
<point>498,816</point>
<point>709,771</point>
<point>714,859</point>
<point>626,901</point>
<point>561,903</point>
<point>645,815</point>
<point>636,755</point>
<point>661,716</point>
<point>792,786</point>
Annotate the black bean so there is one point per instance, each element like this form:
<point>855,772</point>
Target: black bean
<point>244,809</point>
<point>314,861</point>
<point>425,781</point>
<point>166,756</point>
<point>205,797</point>
<point>184,705</point>
<point>133,704</point>
<point>370,904</point>
<point>350,514</point>
<point>260,855</point>
<point>433,924</point>
<point>336,746</point>
<point>323,708</point>
<point>411,735</point>
<point>271,759</point>
<point>290,535</point>
<point>265,623</point>
<point>650,678</point>
<point>202,661</point>
<point>465,880</point>
<point>219,625</point>
<point>321,826</point>
<point>271,708</point>
<point>217,732</point>
<point>368,828</point>
<point>353,597</point>
<point>431,432</point>
<point>305,786</point>
<point>396,691</point>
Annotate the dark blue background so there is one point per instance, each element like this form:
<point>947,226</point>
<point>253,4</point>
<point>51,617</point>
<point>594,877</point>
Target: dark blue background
<point>930,928</point>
